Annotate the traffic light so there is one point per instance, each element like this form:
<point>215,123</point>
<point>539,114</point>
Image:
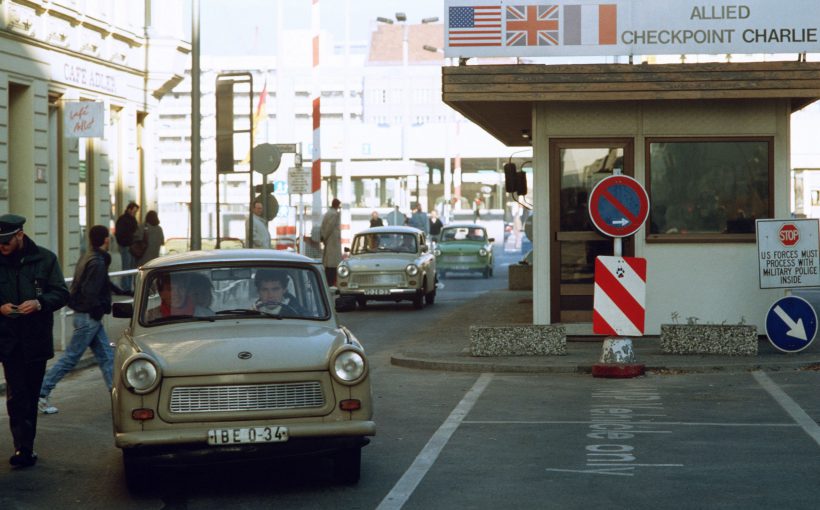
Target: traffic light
<point>224,126</point>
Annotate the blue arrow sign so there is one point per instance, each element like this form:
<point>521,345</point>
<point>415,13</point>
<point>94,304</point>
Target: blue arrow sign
<point>791,324</point>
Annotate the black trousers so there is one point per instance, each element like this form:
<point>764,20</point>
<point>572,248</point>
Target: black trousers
<point>23,381</point>
<point>330,275</point>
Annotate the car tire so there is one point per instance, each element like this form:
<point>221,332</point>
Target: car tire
<point>345,304</point>
<point>486,272</point>
<point>430,297</point>
<point>137,477</point>
<point>361,301</point>
<point>418,301</point>
<point>347,466</point>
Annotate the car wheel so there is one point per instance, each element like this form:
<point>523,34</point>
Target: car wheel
<point>347,465</point>
<point>361,301</point>
<point>430,297</point>
<point>486,272</point>
<point>345,304</point>
<point>136,475</point>
<point>418,301</point>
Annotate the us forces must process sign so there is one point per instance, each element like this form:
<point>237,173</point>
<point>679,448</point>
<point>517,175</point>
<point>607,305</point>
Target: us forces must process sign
<point>789,253</point>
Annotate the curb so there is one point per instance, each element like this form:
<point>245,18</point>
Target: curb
<point>410,361</point>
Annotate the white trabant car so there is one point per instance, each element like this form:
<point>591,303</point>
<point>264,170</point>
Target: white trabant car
<point>237,353</point>
<point>387,264</point>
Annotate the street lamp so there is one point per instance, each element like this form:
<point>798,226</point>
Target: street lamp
<point>405,115</point>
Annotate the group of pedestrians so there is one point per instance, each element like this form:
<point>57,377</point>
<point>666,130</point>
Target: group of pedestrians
<point>32,288</point>
<point>429,224</point>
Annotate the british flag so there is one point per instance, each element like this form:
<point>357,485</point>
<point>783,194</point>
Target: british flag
<point>532,25</point>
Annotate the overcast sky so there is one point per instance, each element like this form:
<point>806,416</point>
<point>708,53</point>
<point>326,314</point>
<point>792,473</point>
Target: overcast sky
<point>248,27</point>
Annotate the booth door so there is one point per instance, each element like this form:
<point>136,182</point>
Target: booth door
<point>576,166</point>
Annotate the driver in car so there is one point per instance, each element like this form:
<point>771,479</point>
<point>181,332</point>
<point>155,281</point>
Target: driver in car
<point>272,288</point>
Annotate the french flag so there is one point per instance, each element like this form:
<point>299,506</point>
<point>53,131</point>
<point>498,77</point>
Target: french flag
<point>590,24</point>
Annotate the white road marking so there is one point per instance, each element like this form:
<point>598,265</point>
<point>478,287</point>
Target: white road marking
<point>404,488</point>
<point>667,423</point>
<point>790,406</point>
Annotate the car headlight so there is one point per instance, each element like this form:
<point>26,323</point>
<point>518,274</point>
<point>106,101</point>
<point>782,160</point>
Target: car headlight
<point>343,271</point>
<point>437,252</point>
<point>412,270</point>
<point>348,366</point>
<point>141,374</point>
<point>482,252</point>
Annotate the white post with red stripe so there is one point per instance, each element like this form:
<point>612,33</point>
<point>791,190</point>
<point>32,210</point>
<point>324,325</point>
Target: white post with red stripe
<point>316,154</point>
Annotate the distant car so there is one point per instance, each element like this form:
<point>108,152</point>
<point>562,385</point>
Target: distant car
<point>387,264</point>
<point>464,248</point>
<point>236,354</point>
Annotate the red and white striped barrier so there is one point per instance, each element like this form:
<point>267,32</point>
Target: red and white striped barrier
<point>619,306</point>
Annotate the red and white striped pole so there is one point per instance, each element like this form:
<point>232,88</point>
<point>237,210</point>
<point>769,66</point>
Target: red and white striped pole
<point>316,166</point>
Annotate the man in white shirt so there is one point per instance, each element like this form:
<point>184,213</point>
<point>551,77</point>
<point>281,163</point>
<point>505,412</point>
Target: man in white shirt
<point>261,236</point>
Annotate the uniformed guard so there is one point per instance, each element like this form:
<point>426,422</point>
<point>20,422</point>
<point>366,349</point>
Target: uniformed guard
<point>32,288</point>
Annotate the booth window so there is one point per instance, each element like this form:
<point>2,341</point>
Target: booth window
<point>708,189</point>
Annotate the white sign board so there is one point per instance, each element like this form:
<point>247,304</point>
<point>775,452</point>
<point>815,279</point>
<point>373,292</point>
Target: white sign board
<point>789,253</point>
<point>83,119</point>
<point>299,181</point>
<point>560,28</point>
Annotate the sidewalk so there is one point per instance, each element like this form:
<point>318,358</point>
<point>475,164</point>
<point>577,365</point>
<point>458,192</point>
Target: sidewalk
<point>445,345</point>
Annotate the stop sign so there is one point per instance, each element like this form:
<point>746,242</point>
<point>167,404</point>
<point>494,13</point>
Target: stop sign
<point>789,235</point>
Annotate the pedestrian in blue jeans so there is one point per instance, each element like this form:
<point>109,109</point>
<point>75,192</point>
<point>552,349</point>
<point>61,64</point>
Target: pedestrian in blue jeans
<point>90,298</point>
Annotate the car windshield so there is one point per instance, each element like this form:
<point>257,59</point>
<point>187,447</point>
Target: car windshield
<point>384,242</point>
<point>463,234</point>
<point>214,293</point>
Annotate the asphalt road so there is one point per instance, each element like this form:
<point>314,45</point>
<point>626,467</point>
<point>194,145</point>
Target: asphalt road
<point>458,440</point>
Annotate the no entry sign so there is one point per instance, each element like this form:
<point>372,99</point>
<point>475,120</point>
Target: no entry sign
<point>618,206</point>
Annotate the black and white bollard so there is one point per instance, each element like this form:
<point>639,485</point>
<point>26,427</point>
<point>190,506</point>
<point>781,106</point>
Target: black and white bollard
<point>618,360</point>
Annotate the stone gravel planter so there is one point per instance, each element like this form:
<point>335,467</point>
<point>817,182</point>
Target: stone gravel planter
<point>523,340</point>
<point>731,339</point>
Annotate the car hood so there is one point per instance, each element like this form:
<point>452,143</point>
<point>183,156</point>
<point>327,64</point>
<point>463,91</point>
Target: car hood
<point>274,346</point>
<point>381,262</point>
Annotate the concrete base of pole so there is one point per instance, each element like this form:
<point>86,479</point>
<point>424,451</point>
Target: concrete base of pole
<point>618,360</point>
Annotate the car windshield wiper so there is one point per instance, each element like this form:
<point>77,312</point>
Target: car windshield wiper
<point>170,318</point>
<point>248,311</point>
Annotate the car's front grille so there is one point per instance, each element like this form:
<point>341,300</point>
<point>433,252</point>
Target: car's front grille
<point>246,397</point>
<point>459,258</point>
<point>365,279</point>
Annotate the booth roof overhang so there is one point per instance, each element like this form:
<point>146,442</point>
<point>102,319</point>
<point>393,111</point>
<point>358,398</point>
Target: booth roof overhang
<point>500,98</point>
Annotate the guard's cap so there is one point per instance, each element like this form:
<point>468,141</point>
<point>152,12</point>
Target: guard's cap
<point>10,224</point>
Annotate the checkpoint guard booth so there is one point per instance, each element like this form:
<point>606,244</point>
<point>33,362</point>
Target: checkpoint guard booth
<point>710,142</point>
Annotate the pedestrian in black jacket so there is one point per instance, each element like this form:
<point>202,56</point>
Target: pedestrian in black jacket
<point>90,298</point>
<point>125,229</point>
<point>32,288</point>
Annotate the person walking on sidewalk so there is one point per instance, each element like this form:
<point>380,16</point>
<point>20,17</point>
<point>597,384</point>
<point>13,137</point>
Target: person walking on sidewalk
<point>90,298</point>
<point>331,235</point>
<point>125,228</point>
<point>32,288</point>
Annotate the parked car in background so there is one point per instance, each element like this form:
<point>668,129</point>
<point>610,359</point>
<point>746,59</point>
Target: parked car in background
<point>236,354</point>
<point>464,248</point>
<point>387,264</point>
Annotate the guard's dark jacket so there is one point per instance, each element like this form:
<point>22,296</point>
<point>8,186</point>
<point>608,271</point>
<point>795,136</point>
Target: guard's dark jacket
<point>31,273</point>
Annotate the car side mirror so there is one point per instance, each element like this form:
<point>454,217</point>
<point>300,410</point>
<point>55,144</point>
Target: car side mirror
<point>122,310</point>
<point>491,240</point>
<point>347,249</point>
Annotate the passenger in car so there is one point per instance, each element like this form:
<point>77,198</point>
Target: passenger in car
<point>176,296</point>
<point>272,288</point>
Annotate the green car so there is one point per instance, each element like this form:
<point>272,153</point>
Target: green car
<point>464,248</point>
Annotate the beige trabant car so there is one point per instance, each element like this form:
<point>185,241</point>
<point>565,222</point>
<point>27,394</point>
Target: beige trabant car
<point>237,353</point>
<point>387,264</point>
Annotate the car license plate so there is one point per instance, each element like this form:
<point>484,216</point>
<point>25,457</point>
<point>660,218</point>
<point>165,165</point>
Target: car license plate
<point>247,435</point>
<point>376,292</point>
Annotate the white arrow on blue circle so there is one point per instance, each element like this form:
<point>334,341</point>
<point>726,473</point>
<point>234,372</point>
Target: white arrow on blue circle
<point>796,329</point>
<point>622,222</point>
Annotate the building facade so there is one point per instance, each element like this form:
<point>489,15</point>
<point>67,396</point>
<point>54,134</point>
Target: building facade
<point>59,52</point>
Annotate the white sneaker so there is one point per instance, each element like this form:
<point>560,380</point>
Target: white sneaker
<point>43,407</point>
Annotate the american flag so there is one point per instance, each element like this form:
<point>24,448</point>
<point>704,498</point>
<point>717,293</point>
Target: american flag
<point>475,26</point>
<point>532,25</point>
